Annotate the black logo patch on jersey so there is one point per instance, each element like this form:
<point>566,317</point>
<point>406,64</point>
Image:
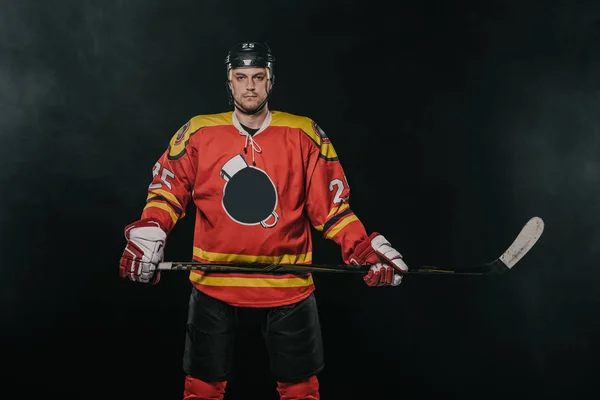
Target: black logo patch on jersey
<point>179,141</point>
<point>249,196</point>
<point>319,132</point>
<point>181,134</point>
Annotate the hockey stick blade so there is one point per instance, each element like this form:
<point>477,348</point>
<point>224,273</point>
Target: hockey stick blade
<point>528,236</point>
<point>524,241</point>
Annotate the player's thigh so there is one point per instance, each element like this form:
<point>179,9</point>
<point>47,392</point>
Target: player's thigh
<point>210,334</point>
<point>294,341</point>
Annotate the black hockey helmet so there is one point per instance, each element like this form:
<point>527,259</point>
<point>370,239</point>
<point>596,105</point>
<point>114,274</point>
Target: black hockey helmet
<point>251,54</point>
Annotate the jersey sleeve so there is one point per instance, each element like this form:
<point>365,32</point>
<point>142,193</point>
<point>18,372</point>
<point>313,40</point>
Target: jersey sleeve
<point>328,195</point>
<point>172,181</point>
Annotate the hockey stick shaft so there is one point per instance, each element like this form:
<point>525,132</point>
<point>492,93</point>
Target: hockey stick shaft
<point>303,268</point>
<point>525,240</point>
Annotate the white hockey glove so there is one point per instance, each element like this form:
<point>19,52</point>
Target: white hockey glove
<point>387,262</point>
<point>144,250</point>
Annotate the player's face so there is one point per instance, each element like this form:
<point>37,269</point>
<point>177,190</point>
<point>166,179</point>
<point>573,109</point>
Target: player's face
<point>250,86</point>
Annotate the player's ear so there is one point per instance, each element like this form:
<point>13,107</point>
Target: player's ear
<point>229,79</point>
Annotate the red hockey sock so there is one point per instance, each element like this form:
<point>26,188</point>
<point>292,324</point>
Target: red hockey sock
<point>196,389</point>
<point>307,389</point>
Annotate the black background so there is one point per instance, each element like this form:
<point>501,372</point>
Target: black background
<point>455,121</point>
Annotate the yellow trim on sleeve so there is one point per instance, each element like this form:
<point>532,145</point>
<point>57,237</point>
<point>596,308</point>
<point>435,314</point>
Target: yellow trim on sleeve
<point>332,212</point>
<point>340,225</point>
<point>338,209</point>
<point>166,194</point>
<point>164,207</point>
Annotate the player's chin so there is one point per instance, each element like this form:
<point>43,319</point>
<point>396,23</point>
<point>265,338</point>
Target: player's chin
<point>252,107</point>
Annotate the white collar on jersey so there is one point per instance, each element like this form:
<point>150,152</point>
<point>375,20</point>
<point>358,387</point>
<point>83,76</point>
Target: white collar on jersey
<point>250,138</point>
<point>264,125</point>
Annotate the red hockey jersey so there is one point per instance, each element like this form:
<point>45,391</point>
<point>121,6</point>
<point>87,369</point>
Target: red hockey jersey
<point>256,198</point>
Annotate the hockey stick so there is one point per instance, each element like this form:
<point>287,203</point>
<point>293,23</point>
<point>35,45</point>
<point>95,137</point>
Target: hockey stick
<point>527,237</point>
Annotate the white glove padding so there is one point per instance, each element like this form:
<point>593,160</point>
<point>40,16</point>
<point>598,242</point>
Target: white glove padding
<point>144,250</point>
<point>384,250</point>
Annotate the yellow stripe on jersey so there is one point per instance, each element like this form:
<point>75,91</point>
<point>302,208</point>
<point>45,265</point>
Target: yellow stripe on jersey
<point>167,195</point>
<point>280,118</point>
<point>164,207</point>
<point>329,152</point>
<point>337,210</point>
<point>284,259</point>
<point>340,225</point>
<point>333,212</point>
<point>181,138</point>
<point>307,125</point>
<point>251,281</point>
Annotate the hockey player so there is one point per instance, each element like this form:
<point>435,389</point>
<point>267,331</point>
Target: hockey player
<point>259,180</point>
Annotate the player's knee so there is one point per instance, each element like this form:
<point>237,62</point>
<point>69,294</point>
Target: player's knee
<point>307,389</point>
<point>197,389</point>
